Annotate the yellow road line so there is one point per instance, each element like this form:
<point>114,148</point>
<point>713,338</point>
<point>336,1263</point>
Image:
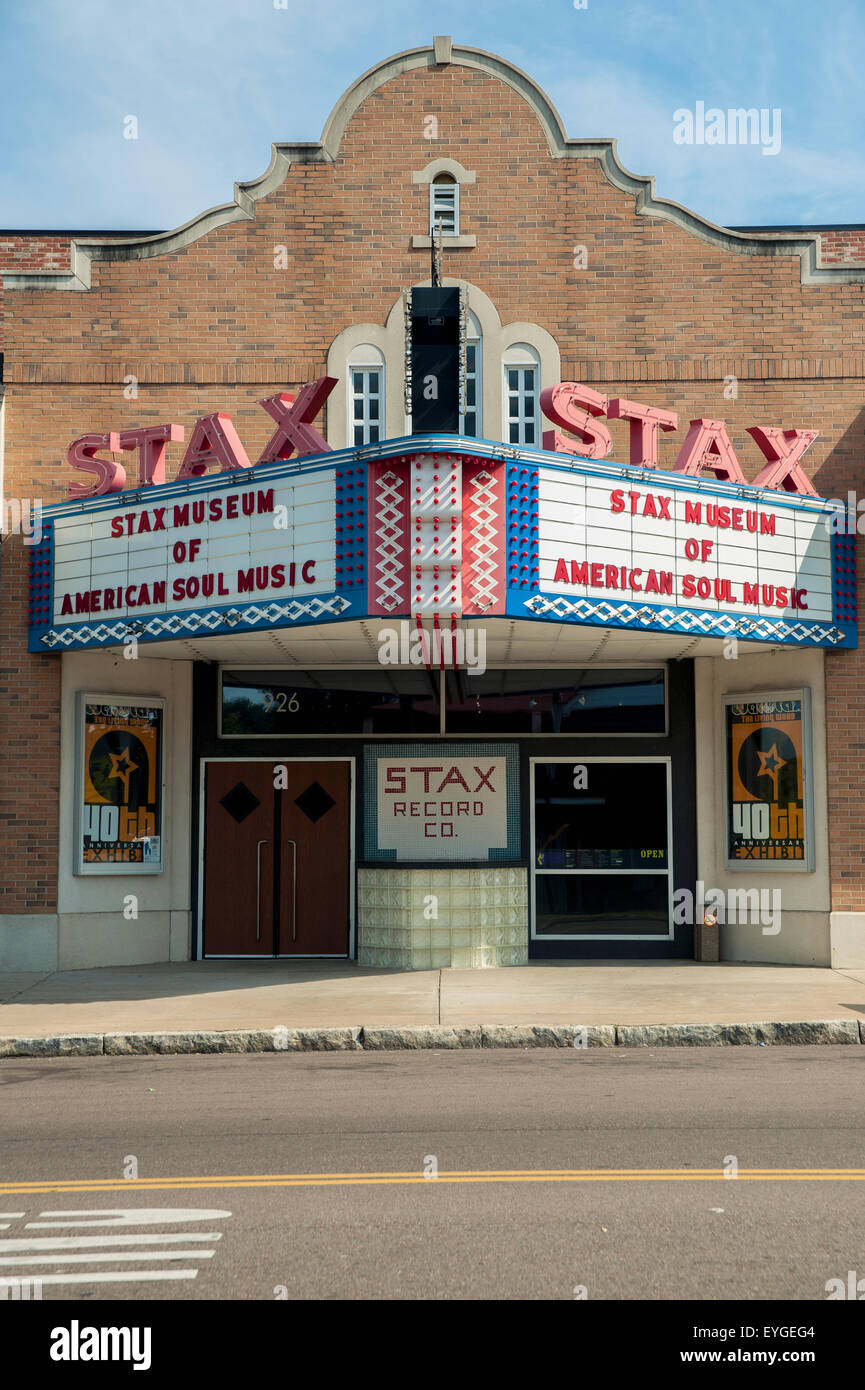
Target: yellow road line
<point>205,1183</point>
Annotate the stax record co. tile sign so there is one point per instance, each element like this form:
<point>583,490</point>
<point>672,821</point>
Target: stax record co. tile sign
<point>439,528</point>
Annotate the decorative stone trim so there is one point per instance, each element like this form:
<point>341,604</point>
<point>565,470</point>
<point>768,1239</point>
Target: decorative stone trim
<point>83,252</point>
<point>444,166</point>
<point>253,371</point>
<point>451,243</point>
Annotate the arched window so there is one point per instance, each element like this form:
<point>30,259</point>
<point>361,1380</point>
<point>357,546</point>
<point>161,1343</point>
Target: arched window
<point>521,396</point>
<point>366,398</point>
<point>444,205</point>
<point>370,359</point>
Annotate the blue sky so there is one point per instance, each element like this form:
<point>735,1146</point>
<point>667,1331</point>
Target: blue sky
<point>213,82</point>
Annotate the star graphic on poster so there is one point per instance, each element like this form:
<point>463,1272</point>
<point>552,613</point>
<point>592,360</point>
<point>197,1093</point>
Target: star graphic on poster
<point>771,762</point>
<point>123,773</point>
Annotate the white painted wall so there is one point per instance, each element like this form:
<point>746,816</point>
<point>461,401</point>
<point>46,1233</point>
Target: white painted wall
<point>804,938</point>
<point>92,930</point>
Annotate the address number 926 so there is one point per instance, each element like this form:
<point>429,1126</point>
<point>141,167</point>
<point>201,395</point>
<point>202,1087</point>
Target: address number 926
<point>278,702</point>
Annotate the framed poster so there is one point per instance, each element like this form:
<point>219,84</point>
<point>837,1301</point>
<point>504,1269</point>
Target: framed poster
<point>767,762</point>
<point>120,784</point>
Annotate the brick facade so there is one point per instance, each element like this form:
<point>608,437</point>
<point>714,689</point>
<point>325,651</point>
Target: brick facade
<point>843,247</point>
<point>660,314</point>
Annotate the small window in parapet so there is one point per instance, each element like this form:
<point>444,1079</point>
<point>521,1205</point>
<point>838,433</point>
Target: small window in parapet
<point>444,205</point>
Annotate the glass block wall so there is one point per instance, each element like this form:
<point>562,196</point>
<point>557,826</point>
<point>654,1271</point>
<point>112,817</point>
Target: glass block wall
<point>423,919</point>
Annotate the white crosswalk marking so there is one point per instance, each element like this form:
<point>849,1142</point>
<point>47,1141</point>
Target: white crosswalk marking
<point>79,1242</point>
<point>113,1256</point>
<point>32,1252</point>
<point>131,1216</point>
<point>130,1276</point>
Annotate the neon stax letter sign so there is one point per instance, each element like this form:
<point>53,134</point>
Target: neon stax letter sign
<point>214,441</point>
<point>571,406</point>
<point>578,408</point>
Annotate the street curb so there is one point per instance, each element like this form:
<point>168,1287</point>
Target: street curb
<point>414,1039</point>
<point>278,1039</point>
<point>558,1035</point>
<point>802,1032</point>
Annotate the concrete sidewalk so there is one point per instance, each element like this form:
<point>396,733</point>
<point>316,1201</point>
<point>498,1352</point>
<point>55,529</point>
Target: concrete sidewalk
<point>217,997</point>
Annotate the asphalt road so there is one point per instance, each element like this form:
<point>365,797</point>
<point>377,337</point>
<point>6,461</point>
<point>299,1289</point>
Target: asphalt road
<point>259,1119</point>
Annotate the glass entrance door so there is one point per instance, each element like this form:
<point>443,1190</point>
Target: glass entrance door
<point>602,855</point>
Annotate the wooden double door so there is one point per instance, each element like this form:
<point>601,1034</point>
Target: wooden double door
<point>277,858</point>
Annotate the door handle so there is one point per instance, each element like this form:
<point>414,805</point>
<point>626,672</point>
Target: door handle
<point>258,889</point>
<point>293,844</point>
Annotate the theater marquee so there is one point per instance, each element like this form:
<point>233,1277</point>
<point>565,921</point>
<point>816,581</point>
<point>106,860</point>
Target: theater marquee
<point>439,528</point>
<point>740,560</point>
<point>220,554</point>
